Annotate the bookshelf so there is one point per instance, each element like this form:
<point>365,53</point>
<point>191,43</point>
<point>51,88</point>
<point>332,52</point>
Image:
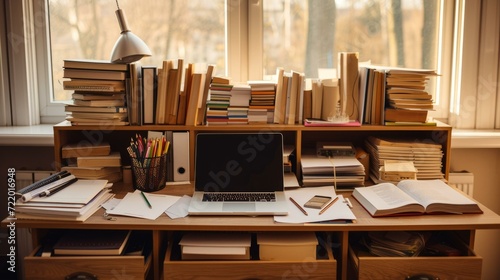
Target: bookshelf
<point>299,136</point>
<point>342,261</point>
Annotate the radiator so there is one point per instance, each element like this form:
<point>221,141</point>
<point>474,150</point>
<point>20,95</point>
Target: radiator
<point>24,240</point>
<point>463,181</point>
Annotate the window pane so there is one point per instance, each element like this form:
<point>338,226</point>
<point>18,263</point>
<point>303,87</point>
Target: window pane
<point>191,29</point>
<point>305,35</point>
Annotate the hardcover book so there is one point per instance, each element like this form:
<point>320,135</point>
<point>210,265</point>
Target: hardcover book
<point>113,159</point>
<point>414,197</point>
<point>84,148</point>
<point>94,64</point>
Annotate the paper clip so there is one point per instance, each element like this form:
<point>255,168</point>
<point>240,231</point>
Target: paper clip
<point>108,217</point>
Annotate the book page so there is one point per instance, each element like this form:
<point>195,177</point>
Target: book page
<point>433,191</point>
<point>386,196</point>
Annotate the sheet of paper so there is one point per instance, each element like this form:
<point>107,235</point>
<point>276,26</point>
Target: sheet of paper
<point>180,208</point>
<point>134,205</point>
<point>338,211</point>
<point>110,204</point>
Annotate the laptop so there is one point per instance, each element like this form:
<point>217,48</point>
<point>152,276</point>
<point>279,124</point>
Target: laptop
<point>238,174</point>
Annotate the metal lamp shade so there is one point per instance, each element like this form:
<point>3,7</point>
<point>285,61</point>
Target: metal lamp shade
<point>128,48</point>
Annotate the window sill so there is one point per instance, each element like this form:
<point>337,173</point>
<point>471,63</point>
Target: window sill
<point>475,138</point>
<point>35,135</point>
<point>43,135</point>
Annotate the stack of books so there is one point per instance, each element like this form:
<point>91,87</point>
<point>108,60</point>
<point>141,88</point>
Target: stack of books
<point>92,161</point>
<point>238,104</point>
<point>218,103</point>
<point>391,95</point>
<point>215,246</point>
<point>62,197</point>
<point>407,98</point>
<point>426,156</point>
<point>98,92</point>
<point>261,109</point>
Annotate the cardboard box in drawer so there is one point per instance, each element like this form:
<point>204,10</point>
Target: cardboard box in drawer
<point>287,246</point>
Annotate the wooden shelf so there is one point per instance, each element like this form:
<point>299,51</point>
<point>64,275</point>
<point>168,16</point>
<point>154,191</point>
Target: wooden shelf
<point>297,135</point>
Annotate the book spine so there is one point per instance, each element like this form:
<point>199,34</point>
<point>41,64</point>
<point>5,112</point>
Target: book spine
<point>91,88</point>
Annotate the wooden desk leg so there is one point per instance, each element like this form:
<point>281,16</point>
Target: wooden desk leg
<point>157,245</point>
<point>344,252</point>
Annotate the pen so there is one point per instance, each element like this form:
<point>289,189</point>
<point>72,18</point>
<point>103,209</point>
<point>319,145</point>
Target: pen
<point>328,206</point>
<point>146,199</point>
<point>57,188</point>
<point>348,202</point>
<point>298,206</point>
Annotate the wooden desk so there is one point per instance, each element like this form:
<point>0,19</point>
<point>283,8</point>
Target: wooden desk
<point>464,225</point>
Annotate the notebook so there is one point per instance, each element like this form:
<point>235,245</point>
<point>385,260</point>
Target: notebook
<point>237,173</point>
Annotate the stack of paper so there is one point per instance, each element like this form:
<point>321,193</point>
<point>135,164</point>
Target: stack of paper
<point>75,202</point>
<point>342,172</point>
<point>337,212</point>
<point>215,246</point>
<point>426,156</point>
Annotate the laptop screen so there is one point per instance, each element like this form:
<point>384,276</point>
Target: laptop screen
<point>239,162</point>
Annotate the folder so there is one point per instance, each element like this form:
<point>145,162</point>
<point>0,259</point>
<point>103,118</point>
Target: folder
<point>181,155</point>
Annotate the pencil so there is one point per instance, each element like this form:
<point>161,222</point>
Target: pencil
<point>328,206</point>
<point>298,206</point>
<point>146,199</point>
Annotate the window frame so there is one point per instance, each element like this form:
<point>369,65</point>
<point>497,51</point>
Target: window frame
<point>28,74</point>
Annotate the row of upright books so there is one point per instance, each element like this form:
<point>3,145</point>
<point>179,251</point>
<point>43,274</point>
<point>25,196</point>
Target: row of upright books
<point>192,94</point>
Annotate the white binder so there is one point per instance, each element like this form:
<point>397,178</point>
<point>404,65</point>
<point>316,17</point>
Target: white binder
<point>180,141</point>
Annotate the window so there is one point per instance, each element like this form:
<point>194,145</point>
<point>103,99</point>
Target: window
<point>193,30</point>
<point>307,35</point>
<point>249,39</point>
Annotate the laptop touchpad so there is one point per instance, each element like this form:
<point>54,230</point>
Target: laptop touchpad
<point>238,207</point>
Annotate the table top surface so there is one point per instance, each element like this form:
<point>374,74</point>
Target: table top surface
<point>363,222</point>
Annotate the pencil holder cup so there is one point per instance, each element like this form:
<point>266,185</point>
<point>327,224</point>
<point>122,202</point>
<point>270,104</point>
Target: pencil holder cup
<point>150,174</point>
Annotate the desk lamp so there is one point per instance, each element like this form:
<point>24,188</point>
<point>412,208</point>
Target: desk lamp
<point>128,48</point>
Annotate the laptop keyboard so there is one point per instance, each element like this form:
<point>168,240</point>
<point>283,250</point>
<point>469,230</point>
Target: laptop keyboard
<point>261,197</point>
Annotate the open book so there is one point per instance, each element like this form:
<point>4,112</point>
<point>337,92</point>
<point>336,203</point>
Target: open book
<point>414,197</point>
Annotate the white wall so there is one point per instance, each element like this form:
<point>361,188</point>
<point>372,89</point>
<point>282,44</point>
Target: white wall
<point>485,164</point>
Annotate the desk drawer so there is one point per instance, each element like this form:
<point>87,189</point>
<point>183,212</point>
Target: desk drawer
<point>100,267</point>
<point>252,269</point>
<point>363,266</point>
